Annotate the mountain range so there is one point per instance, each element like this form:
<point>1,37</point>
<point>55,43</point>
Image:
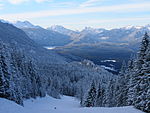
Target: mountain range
<point>83,64</point>
<point>95,44</point>
<point>60,36</point>
<point>129,34</point>
<point>11,35</point>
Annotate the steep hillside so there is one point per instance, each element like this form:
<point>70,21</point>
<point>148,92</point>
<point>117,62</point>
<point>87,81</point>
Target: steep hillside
<point>27,70</point>
<point>14,36</point>
<point>42,36</point>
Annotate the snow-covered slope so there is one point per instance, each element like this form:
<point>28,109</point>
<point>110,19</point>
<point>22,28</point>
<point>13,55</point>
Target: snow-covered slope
<point>46,37</point>
<point>64,105</point>
<point>91,30</point>
<point>62,30</point>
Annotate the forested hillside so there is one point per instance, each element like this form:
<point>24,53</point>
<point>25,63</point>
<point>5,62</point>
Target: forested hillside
<point>130,87</point>
<point>28,70</point>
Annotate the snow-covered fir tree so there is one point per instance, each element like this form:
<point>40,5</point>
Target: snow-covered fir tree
<point>91,97</point>
<point>121,87</point>
<point>4,72</point>
<point>131,86</point>
<point>100,97</point>
<point>138,93</point>
<point>23,76</point>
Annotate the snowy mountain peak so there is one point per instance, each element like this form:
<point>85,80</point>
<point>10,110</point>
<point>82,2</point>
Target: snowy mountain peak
<point>148,25</point>
<point>57,28</point>
<point>133,27</point>
<point>24,24</point>
<point>92,30</point>
<point>128,27</point>
<point>61,29</point>
<point>4,21</point>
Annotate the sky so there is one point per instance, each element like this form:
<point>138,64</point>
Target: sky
<point>77,14</point>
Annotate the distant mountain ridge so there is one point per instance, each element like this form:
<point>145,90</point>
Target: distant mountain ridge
<point>43,36</point>
<point>121,35</point>
<point>60,36</point>
<point>62,30</point>
<point>10,34</point>
<point>90,43</point>
<point>24,24</point>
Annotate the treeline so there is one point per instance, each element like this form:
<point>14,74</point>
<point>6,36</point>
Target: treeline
<point>131,87</point>
<point>22,77</point>
<point>18,75</point>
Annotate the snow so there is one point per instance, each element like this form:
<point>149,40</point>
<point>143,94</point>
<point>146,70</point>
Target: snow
<point>108,61</point>
<point>53,47</point>
<point>104,38</point>
<point>64,105</point>
<point>4,21</point>
<point>24,24</point>
<point>130,27</point>
<point>7,106</point>
<point>138,27</point>
<point>109,68</point>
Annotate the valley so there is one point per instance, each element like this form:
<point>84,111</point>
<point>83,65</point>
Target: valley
<point>97,70</point>
<point>88,43</point>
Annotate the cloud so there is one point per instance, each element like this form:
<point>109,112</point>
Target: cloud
<point>22,1</point>
<point>39,1</point>
<point>59,5</point>
<point>90,3</point>
<point>17,1</point>
<point>115,20</point>
<point>79,24</point>
<point>101,23</point>
<point>127,8</point>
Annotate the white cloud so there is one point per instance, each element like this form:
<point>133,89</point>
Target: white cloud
<point>100,23</point>
<point>22,1</point>
<point>39,1</point>
<point>17,1</point>
<point>79,24</point>
<point>127,8</point>
<point>63,5</point>
<point>90,3</point>
<point>115,20</point>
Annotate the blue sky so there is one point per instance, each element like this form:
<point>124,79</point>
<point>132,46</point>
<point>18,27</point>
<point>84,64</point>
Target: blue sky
<point>77,14</point>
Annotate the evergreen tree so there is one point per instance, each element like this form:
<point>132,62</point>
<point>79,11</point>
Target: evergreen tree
<point>143,82</point>
<point>138,93</point>
<point>142,52</point>
<point>121,86</point>
<point>110,94</point>
<point>5,91</point>
<point>90,101</point>
<point>100,96</point>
